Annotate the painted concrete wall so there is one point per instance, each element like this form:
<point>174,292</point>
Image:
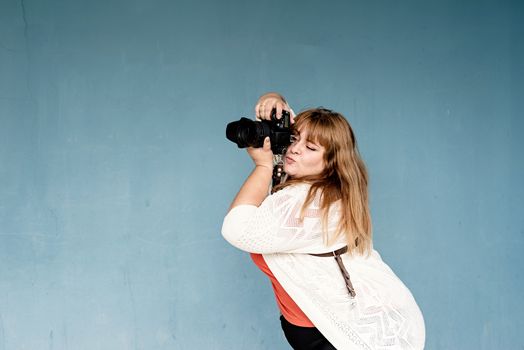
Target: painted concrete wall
<point>115,173</point>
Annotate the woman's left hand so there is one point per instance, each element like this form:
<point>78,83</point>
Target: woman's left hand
<point>262,156</point>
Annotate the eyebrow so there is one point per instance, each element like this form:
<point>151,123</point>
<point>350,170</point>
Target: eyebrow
<point>316,143</point>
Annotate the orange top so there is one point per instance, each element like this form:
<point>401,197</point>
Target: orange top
<point>287,306</point>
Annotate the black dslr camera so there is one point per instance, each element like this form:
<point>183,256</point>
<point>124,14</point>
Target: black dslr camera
<point>248,133</point>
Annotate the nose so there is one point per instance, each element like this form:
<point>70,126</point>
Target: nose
<point>293,149</point>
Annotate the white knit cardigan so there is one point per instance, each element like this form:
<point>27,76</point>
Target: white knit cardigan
<point>383,315</point>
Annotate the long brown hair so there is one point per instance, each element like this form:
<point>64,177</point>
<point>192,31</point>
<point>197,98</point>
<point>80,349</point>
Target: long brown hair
<point>344,177</point>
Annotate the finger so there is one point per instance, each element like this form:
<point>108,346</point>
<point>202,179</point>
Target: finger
<point>268,108</point>
<point>279,110</point>
<point>261,109</point>
<point>267,144</point>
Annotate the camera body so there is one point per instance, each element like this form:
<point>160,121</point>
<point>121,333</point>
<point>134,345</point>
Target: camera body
<point>249,133</point>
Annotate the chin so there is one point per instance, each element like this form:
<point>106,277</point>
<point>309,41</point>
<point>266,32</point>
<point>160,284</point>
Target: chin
<point>289,172</point>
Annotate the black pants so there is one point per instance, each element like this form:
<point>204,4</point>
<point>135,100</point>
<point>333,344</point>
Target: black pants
<point>304,338</point>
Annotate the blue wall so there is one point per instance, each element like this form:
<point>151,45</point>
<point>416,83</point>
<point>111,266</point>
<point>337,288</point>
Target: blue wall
<point>115,173</point>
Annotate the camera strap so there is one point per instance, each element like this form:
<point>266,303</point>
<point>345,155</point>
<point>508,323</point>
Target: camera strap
<point>336,254</point>
<point>278,170</point>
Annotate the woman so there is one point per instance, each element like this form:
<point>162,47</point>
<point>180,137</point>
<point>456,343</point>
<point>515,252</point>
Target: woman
<point>312,237</point>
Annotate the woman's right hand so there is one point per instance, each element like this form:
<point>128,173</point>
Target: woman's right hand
<point>267,102</point>
<point>262,156</point>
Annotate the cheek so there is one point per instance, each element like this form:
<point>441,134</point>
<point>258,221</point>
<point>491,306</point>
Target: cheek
<point>321,166</point>
<point>317,163</point>
<point>322,163</point>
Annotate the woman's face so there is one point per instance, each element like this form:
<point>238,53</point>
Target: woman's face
<point>303,157</point>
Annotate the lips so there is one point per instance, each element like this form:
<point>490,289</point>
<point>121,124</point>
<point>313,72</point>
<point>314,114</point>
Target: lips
<point>290,160</point>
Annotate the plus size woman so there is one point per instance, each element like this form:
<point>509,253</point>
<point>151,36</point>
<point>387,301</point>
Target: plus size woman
<point>312,237</point>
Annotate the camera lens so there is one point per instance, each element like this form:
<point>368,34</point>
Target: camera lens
<point>247,133</point>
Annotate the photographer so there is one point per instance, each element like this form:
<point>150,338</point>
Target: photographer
<point>312,238</point>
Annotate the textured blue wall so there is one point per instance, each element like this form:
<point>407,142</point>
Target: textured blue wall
<point>115,173</point>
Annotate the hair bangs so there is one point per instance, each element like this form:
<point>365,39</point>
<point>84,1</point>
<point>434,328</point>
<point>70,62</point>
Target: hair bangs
<point>319,129</point>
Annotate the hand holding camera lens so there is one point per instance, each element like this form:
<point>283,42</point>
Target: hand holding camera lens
<point>262,156</point>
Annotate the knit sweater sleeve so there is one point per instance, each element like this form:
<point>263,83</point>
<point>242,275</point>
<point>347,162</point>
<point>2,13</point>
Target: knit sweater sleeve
<point>274,226</point>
